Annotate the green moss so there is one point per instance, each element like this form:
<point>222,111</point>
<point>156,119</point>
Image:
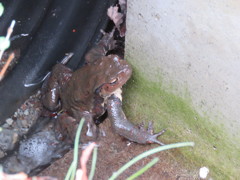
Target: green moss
<point>147,101</point>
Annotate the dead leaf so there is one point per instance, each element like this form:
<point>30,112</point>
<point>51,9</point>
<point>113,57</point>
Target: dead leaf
<point>119,18</point>
<point>114,15</point>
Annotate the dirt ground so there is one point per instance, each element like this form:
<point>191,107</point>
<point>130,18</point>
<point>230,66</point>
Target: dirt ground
<point>114,151</point>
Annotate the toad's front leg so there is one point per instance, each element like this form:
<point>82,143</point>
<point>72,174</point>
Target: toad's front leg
<point>125,128</point>
<point>51,87</point>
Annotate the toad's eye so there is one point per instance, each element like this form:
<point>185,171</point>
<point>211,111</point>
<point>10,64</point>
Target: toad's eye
<point>114,81</point>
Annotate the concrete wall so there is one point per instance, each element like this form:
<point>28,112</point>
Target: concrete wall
<point>193,48</point>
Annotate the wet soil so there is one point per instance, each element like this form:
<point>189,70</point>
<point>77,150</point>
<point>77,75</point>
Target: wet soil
<point>114,151</point>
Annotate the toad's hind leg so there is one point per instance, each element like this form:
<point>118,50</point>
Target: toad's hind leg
<point>51,87</point>
<point>125,128</point>
<point>66,127</point>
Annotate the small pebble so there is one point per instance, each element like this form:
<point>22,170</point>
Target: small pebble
<point>15,114</point>
<point>9,121</point>
<point>26,112</point>
<point>203,172</point>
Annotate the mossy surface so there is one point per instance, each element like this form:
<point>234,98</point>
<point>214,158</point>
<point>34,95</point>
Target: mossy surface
<point>147,101</point>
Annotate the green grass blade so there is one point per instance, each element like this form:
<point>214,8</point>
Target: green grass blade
<point>67,177</point>
<point>72,169</point>
<point>144,169</point>
<point>94,161</point>
<point>147,153</point>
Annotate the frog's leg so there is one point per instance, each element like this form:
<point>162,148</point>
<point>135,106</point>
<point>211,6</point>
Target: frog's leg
<point>125,128</point>
<point>106,44</point>
<point>66,127</point>
<point>51,87</point>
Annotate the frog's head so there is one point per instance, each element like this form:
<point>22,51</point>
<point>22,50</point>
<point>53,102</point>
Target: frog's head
<point>112,73</point>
